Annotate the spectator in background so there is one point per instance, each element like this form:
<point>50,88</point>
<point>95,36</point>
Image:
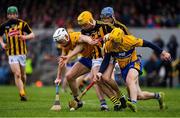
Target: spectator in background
<point>158,41</point>
<point>172,46</point>
<point>151,67</point>
<point>5,72</point>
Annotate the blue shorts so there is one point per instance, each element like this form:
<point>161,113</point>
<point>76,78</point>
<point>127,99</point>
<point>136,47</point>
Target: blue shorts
<point>136,65</point>
<point>86,62</point>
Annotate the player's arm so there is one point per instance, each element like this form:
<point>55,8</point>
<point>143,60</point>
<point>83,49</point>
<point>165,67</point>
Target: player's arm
<point>164,55</point>
<point>60,68</point>
<point>28,30</point>
<point>28,36</point>
<point>1,38</point>
<point>87,39</point>
<point>75,51</point>
<point>137,42</point>
<point>104,65</point>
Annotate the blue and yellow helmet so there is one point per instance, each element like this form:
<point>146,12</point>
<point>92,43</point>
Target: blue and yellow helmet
<point>107,12</point>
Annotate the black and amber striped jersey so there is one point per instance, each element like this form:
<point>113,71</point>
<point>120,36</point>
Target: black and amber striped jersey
<point>97,33</point>
<point>121,26</point>
<point>12,29</point>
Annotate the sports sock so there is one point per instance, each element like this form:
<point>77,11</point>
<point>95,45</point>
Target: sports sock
<point>22,93</point>
<point>115,100</point>
<point>103,102</point>
<point>156,95</point>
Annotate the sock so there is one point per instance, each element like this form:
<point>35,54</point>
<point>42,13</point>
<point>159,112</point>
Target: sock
<point>134,101</point>
<point>156,95</point>
<point>115,100</point>
<point>75,98</point>
<point>22,93</point>
<point>103,102</point>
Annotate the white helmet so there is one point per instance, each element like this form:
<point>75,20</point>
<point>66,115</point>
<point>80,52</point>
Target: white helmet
<point>61,35</point>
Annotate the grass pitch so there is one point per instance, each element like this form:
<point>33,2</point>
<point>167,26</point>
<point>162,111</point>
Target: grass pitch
<point>40,101</point>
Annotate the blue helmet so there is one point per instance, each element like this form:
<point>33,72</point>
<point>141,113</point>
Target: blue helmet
<point>107,12</point>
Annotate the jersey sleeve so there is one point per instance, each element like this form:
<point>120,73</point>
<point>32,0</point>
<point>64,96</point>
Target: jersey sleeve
<point>74,36</point>
<point>105,62</point>
<point>109,27</point>
<point>2,29</point>
<point>26,28</point>
<point>133,41</point>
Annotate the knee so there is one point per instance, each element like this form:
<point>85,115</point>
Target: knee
<point>68,77</point>
<point>105,78</point>
<point>129,81</point>
<point>17,75</point>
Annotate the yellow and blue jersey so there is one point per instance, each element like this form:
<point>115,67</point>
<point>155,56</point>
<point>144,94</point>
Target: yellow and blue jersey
<point>73,37</point>
<point>125,54</point>
<point>74,40</point>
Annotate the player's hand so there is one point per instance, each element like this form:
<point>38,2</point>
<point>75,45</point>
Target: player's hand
<point>22,37</point>
<point>106,37</point>
<point>98,77</point>
<point>57,81</point>
<point>4,46</point>
<point>64,59</point>
<point>165,56</point>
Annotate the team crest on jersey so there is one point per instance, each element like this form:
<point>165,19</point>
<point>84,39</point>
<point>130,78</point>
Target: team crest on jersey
<point>122,54</point>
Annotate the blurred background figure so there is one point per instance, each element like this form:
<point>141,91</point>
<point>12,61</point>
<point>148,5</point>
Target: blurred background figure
<point>172,46</point>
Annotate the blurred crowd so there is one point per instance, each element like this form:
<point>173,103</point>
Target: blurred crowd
<point>133,13</point>
<point>160,73</point>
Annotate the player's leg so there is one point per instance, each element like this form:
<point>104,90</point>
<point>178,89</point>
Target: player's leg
<point>99,92</point>
<point>107,90</point>
<point>77,70</point>
<point>22,62</point>
<point>112,83</point>
<point>16,69</point>
<point>145,95</point>
<point>131,81</point>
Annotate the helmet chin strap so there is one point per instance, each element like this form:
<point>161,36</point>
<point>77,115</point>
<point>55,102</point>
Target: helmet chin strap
<point>93,23</point>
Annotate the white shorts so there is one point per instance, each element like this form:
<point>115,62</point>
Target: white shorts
<point>96,62</point>
<point>21,59</point>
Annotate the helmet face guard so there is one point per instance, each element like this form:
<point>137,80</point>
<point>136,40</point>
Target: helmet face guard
<point>61,36</point>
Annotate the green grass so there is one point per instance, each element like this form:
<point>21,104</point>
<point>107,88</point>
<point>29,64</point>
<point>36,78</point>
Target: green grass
<point>41,99</point>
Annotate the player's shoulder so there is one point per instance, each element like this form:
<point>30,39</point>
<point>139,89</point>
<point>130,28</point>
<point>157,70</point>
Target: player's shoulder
<point>72,34</point>
<point>98,22</point>
<point>20,20</point>
<point>118,22</point>
<point>4,23</point>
